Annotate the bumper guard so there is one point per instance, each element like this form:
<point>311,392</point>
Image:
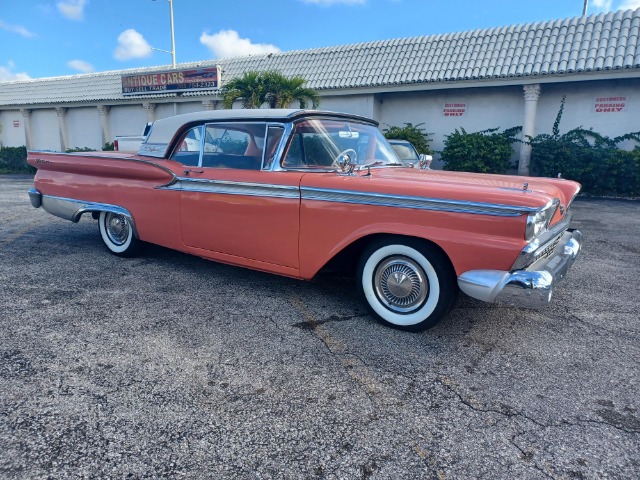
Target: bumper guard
<point>531,287</point>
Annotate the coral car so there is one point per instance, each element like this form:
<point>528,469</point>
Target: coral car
<point>295,192</point>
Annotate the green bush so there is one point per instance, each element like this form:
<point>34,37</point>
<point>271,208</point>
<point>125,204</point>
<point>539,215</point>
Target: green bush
<point>486,152</point>
<point>592,159</point>
<point>411,133</point>
<point>14,160</point>
<point>80,149</point>
<point>108,147</point>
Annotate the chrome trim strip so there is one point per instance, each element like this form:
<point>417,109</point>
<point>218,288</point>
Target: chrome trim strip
<point>406,201</point>
<point>234,188</point>
<point>344,196</point>
<point>72,209</point>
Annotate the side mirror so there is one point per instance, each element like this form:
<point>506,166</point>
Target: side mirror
<point>425,161</point>
<point>346,165</point>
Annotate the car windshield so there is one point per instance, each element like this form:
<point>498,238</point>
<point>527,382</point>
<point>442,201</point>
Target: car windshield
<point>322,143</point>
<point>405,151</point>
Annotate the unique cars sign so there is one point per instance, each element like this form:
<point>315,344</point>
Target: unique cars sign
<point>171,81</point>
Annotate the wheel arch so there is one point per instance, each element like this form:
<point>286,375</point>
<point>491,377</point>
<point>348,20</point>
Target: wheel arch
<point>96,208</point>
<point>346,260</point>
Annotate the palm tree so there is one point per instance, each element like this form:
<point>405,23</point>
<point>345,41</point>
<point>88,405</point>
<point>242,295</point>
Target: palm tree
<point>283,91</point>
<point>250,88</point>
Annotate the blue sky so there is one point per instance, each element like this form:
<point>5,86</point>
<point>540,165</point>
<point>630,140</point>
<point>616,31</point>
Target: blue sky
<point>44,38</point>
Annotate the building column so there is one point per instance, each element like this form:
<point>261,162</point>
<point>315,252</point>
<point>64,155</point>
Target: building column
<point>26,118</point>
<point>209,104</point>
<point>531,95</point>
<point>104,123</point>
<point>62,126</point>
<point>150,108</point>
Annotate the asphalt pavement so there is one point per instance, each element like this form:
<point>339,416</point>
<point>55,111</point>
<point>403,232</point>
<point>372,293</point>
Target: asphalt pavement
<point>170,366</point>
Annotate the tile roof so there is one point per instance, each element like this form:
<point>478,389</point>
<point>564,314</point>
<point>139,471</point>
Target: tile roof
<point>606,42</point>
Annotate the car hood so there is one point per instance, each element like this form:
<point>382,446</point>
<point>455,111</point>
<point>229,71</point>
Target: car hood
<point>526,192</point>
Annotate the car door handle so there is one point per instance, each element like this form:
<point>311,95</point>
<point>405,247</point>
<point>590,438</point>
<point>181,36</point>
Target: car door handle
<point>190,171</point>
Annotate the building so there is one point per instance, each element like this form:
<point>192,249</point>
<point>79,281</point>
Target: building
<point>496,77</point>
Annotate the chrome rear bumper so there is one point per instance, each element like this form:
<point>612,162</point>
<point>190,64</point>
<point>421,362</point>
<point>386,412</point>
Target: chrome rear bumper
<point>531,287</point>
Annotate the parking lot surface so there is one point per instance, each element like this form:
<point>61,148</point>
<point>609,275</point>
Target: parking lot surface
<point>167,365</point>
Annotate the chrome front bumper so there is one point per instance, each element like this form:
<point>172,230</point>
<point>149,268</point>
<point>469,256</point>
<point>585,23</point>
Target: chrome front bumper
<point>531,287</point>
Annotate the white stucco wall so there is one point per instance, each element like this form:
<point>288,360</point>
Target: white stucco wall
<point>580,111</point>
<point>366,105</point>
<point>483,108</point>
<point>125,120</point>
<point>45,129</point>
<point>12,136</point>
<point>83,128</point>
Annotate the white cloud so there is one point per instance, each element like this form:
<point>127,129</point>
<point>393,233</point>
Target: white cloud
<point>630,4</point>
<point>19,29</point>
<point>72,9</point>
<point>227,43</point>
<point>603,5</point>
<point>335,2</point>
<point>81,66</point>
<point>7,74</point>
<point>131,44</point>
<point>611,5</point>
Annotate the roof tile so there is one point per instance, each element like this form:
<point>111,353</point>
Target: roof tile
<point>578,44</point>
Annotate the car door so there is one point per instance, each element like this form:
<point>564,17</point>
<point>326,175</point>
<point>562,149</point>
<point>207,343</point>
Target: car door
<point>231,203</point>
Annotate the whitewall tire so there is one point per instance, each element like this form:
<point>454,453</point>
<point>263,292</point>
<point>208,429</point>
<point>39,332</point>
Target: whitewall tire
<point>406,283</point>
<point>118,235</point>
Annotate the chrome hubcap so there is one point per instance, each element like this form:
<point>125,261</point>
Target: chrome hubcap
<point>400,284</point>
<point>117,228</point>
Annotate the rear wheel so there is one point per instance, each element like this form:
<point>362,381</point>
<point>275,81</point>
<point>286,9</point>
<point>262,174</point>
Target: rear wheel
<point>117,234</point>
<point>406,283</point>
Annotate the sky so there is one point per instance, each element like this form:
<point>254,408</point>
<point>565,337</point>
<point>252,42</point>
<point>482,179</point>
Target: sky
<point>47,38</point>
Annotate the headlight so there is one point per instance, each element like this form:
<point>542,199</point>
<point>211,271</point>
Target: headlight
<point>539,221</point>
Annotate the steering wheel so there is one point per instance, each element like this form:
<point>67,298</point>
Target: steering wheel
<point>353,155</point>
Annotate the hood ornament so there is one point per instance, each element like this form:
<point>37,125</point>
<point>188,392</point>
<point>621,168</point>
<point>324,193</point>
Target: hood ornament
<point>525,187</point>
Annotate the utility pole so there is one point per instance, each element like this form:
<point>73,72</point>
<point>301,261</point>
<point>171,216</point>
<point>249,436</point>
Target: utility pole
<point>584,8</point>
<point>173,38</point>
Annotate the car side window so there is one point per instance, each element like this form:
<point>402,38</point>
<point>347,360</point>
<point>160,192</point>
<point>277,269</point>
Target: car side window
<point>234,145</point>
<point>187,151</point>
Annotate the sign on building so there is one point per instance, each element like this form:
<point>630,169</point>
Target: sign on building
<point>454,109</point>
<point>16,123</point>
<point>171,81</point>
<point>610,104</point>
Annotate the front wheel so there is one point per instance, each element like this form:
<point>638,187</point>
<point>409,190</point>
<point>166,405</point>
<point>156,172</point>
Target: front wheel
<point>407,284</point>
<point>117,234</point>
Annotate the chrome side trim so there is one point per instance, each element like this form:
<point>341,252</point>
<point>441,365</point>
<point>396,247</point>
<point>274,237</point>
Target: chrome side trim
<point>233,188</point>
<point>72,209</point>
<point>531,288</point>
<point>406,201</point>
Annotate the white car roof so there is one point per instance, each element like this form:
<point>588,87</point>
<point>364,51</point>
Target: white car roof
<point>164,130</point>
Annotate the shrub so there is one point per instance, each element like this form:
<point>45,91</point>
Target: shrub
<point>80,149</point>
<point>411,133</point>
<point>14,160</point>
<point>108,147</point>
<point>486,151</point>
<point>592,159</point>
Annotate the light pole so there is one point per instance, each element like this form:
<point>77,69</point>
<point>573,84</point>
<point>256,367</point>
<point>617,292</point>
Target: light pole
<point>584,7</point>
<point>173,38</point>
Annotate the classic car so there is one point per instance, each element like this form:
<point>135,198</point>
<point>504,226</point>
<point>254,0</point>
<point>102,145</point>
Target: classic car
<point>408,153</point>
<point>297,192</point>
